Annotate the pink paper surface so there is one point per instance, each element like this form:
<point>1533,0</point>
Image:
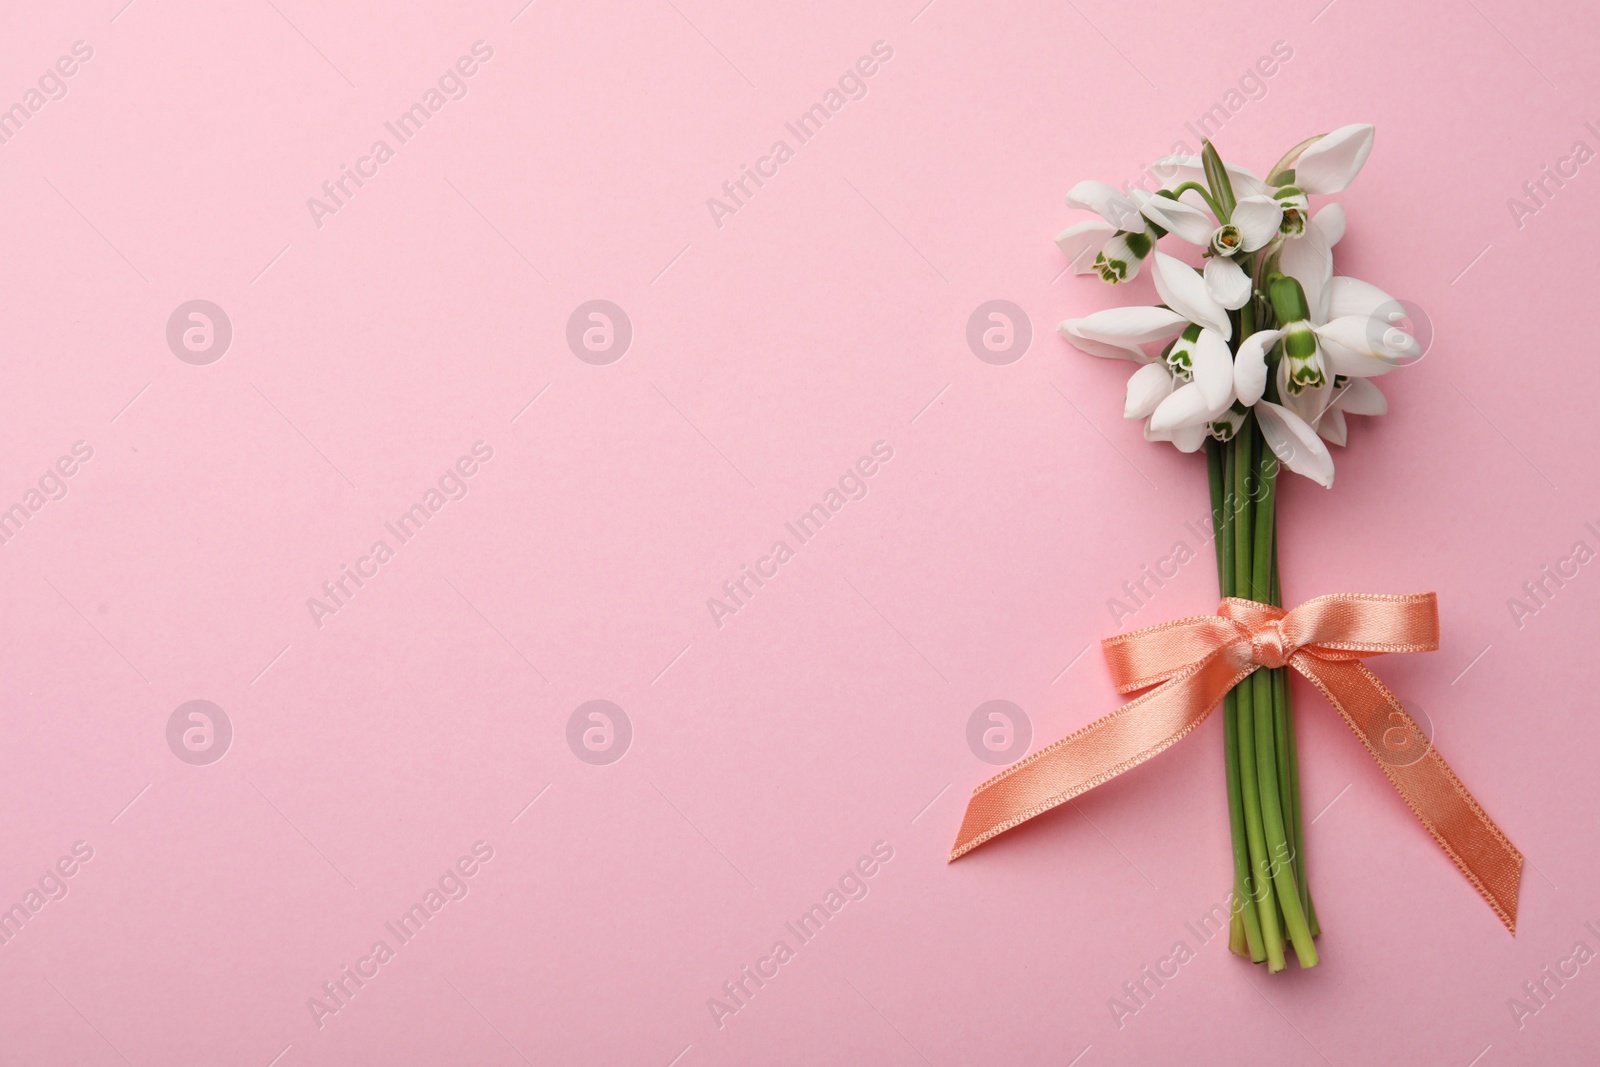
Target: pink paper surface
<point>772,345</point>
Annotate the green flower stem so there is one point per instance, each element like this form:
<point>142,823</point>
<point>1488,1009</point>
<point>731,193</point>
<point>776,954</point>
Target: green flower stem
<point>1270,778</point>
<point>1205,195</point>
<point>1265,520</point>
<point>1283,731</point>
<point>1244,503</point>
<point>1244,926</point>
<point>1219,521</point>
<point>1261,883</point>
<point>1281,696</point>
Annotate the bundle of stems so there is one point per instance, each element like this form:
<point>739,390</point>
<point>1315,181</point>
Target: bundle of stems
<point>1271,900</point>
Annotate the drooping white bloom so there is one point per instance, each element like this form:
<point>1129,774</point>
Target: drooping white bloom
<point>1327,164</point>
<point>1115,245</point>
<point>1118,333</point>
<point>1254,222</point>
<point>1187,293</point>
<point>1307,256</point>
<point>1345,337</point>
<point>1295,443</point>
<point>1202,371</point>
<point>1331,162</point>
<point>1349,339</point>
<point>1178,393</point>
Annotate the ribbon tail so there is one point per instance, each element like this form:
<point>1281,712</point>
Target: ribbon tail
<point>1140,729</point>
<point>1427,784</point>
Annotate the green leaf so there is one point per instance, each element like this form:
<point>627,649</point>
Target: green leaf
<point>1217,178</point>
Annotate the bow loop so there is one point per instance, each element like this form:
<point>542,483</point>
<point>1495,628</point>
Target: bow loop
<point>1344,626</point>
<point>1140,659</point>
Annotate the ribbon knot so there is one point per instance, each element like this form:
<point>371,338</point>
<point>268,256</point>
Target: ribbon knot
<point>1267,645</point>
<point>1187,665</point>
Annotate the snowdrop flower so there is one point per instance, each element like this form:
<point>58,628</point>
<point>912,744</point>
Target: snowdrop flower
<point>1308,255</point>
<point>1254,222</point>
<point>1114,246</point>
<point>1189,294</point>
<point>1199,391</point>
<point>1179,393</point>
<point>1342,338</point>
<point>1326,164</point>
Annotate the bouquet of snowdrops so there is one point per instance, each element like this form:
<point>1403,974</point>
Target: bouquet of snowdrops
<point>1257,355</point>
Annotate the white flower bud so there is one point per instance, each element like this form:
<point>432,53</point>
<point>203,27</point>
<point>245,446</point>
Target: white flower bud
<point>1224,428</point>
<point>1296,210</point>
<point>1120,257</point>
<point>1180,357</point>
<point>1226,240</point>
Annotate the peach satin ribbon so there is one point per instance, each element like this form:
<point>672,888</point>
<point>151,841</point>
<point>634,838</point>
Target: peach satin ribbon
<point>1193,662</point>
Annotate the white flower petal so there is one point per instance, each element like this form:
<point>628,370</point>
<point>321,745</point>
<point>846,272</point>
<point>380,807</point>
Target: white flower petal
<point>1176,217</point>
<point>1371,336</point>
<point>1117,248</point>
<point>1186,406</point>
<point>1245,183</point>
<point>1330,220</point>
<point>1309,403</point>
<point>1173,171</point>
<point>1213,372</point>
<point>1117,333</point>
<point>1190,438</point>
<point>1352,296</point>
<point>1147,387</point>
<point>1250,365</point>
<point>1184,291</point>
<point>1308,259</point>
<point>1257,218</point>
<point>1184,438</point>
<point>1138,325</point>
<point>1333,162</point>
<point>1103,349</point>
<point>1331,426</point>
<point>1349,363</point>
<point>1227,282</point>
<point>1082,242</point>
<point>1108,202</point>
<point>1361,396</point>
<point>1295,444</point>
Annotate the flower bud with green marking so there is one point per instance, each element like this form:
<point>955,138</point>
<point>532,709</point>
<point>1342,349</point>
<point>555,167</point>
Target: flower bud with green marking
<point>1288,299</point>
<point>1120,258</point>
<point>1296,209</point>
<point>1302,356</point>
<point>1226,240</point>
<point>1302,361</point>
<point>1180,355</point>
<point>1224,428</point>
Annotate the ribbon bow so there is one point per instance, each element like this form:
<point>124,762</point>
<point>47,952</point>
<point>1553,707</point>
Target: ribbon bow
<point>1193,662</point>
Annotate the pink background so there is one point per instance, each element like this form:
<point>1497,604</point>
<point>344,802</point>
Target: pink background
<point>768,355</point>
